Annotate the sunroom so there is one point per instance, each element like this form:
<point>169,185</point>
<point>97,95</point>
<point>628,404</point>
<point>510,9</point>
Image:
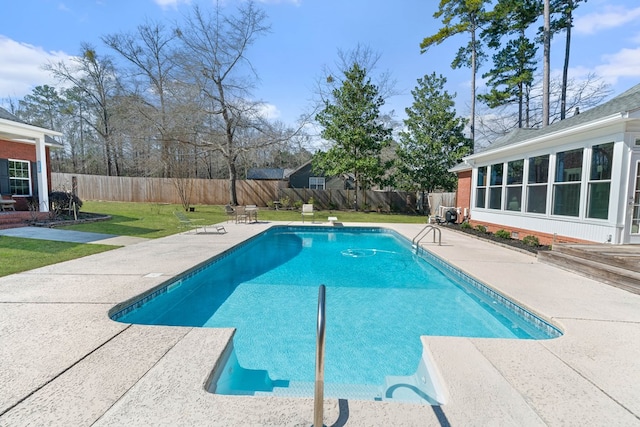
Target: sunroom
<point>575,180</point>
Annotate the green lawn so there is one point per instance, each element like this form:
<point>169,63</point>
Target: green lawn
<point>151,221</point>
<point>26,254</point>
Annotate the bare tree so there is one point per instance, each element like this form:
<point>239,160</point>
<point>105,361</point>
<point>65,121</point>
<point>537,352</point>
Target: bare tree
<point>215,61</point>
<point>582,94</point>
<point>150,51</point>
<point>95,76</point>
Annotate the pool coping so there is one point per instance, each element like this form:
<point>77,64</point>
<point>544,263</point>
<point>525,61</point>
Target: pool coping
<point>62,351</point>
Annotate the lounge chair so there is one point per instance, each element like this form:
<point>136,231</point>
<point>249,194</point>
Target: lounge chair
<point>307,209</point>
<point>191,224</point>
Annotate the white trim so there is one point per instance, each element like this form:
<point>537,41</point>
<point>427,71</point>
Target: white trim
<point>549,137</point>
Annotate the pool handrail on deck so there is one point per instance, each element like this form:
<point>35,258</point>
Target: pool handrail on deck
<point>318,398</point>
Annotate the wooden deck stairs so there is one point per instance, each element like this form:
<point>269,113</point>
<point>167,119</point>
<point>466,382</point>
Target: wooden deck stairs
<point>617,265</point>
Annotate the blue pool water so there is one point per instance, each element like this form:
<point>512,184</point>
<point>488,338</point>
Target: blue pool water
<point>381,297</point>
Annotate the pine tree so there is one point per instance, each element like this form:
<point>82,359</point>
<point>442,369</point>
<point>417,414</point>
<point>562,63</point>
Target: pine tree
<point>433,141</point>
<point>351,120</point>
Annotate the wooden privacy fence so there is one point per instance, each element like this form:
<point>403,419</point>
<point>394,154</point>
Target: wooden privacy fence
<point>164,190</point>
<point>384,201</point>
<point>249,192</point>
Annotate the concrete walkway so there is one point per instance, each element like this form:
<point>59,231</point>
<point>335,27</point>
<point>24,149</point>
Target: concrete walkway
<point>64,362</point>
<point>60,235</point>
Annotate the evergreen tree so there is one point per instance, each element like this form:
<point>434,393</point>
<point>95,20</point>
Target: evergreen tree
<point>433,141</point>
<point>351,120</point>
<point>461,16</point>
<point>514,64</point>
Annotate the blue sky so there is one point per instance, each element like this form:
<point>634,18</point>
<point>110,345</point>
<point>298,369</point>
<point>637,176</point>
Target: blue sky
<point>305,37</point>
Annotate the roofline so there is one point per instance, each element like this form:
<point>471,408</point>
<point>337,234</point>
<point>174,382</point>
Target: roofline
<point>607,120</point>
<point>29,128</point>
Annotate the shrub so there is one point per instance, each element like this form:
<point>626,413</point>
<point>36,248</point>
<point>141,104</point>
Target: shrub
<point>64,202</point>
<point>481,228</point>
<point>503,234</point>
<point>466,226</point>
<point>531,241</point>
<point>311,201</point>
<point>285,202</point>
<point>297,204</point>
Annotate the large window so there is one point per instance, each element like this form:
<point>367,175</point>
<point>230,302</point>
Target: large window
<point>19,178</point>
<point>515,172</point>
<point>600,181</point>
<point>316,183</point>
<point>495,186</point>
<point>537,184</point>
<point>481,187</point>
<point>566,189</point>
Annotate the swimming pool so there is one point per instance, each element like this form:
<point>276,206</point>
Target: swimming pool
<point>381,297</point>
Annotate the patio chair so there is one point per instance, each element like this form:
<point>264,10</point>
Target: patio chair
<point>307,209</point>
<point>241,214</point>
<point>231,213</point>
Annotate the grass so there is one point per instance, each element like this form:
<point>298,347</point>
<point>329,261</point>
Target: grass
<point>148,220</point>
<point>26,254</point>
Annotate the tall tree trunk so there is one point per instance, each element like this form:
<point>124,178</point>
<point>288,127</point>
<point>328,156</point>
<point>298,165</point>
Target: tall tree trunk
<point>565,68</point>
<point>473,87</point>
<point>233,198</point>
<point>546,74</point>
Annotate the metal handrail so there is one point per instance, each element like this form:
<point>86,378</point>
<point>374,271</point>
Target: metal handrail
<point>318,398</point>
<point>416,242</point>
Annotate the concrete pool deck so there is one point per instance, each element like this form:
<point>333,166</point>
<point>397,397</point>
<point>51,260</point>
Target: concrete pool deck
<point>64,362</point>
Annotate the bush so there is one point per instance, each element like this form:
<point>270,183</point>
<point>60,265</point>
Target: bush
<point>531,241</point>
<point>297,204</point>
<point>285,202</point>
<point>481,228</point>
<point>63,202</point>
<point>466,226</point>
<point>503,234</point>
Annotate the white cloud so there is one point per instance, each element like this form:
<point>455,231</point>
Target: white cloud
<point>21,67</point>
<point>610,17</point>
<point>624,63</point>
<point>269,111</point>
<point>166,4</point>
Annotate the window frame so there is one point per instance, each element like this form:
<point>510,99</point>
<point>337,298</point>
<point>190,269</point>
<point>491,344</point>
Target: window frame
<point>566,182</point>
<point>481,189</point>
<point>496,186</point>
<point>319,183</point>
<point>14,189</point>
<point>594,181</point>
<point>536,183</point>
<point>514,186</point>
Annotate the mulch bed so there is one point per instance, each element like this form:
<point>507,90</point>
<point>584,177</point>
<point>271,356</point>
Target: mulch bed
<point>511,243</point>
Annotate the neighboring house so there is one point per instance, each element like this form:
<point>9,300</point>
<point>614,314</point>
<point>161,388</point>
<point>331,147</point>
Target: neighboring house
<point>24,160</point>
<point>575,180</point>
<point>270,174</point>
<point>305,177</point>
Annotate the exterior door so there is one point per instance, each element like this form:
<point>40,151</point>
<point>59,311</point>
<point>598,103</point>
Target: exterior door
<point>634,201</point>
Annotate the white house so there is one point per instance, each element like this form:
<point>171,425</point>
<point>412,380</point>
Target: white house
<point>575,180</point>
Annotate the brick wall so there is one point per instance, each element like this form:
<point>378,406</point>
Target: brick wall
<point>463,192</point>
<point>543,238</point>
<point>23,151</point>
